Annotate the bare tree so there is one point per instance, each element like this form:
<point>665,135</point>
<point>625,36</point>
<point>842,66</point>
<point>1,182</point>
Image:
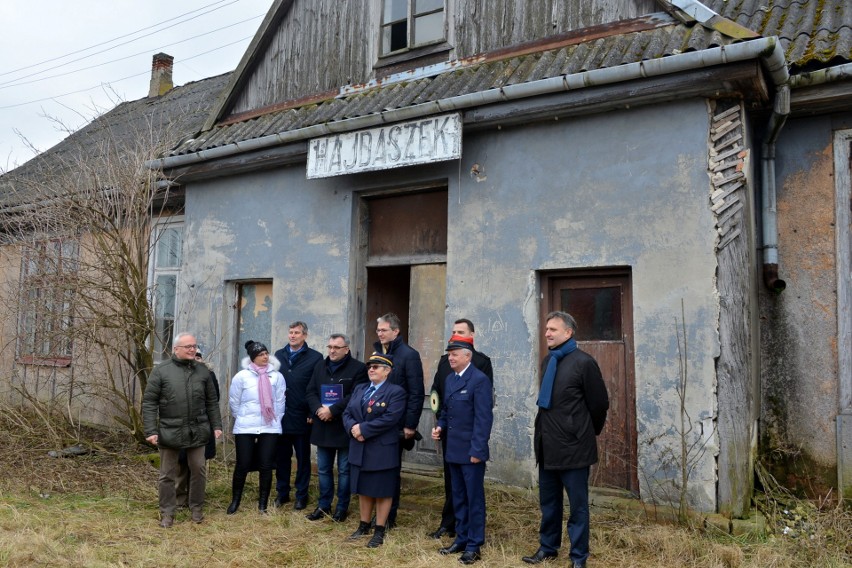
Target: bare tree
<point>81,220</point>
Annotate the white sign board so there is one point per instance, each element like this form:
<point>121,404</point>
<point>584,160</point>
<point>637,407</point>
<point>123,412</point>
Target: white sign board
<point>432,139</point>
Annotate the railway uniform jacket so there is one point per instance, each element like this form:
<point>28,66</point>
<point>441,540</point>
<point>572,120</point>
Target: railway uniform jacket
<point>465,417</point>
<point>407,373</point>
<point>379,422</point>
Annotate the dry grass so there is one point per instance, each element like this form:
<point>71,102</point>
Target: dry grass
<point>100,510</point>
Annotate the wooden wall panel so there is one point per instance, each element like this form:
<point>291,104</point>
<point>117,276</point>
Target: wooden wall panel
<point>484,25</point>
<point>320,45</point>
<point>324,44</point>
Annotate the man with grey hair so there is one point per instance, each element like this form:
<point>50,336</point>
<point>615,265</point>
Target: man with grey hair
<point>465,417</point>
<point>179,407</point>
<point>407,373</point>
<point>572,407</point>
<point>328,394</point>
<point>297,365</point>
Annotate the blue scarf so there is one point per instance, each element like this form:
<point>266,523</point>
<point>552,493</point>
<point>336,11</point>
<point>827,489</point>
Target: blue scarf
<point>556,355</point>
<point>291,355</point>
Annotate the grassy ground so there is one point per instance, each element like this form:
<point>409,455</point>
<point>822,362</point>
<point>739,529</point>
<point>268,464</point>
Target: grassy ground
<point>100,510</point>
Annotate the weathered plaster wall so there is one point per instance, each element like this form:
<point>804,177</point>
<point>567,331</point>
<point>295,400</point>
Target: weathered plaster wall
<point>799,327</point>
<point>570,195</point>
<point>266,226</point>
<point>622,188</point>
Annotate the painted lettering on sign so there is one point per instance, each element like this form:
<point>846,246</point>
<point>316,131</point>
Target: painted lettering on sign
<point>431,139</point>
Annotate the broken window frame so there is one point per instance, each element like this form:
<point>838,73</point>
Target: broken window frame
<point>408,26</point>
<point>47,295</point>
<point>164,280</point>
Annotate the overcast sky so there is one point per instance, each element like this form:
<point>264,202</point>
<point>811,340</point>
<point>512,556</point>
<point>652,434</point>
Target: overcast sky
<point>71,60</point>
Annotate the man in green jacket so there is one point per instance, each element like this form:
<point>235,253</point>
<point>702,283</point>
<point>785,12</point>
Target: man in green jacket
<point>178,409</point>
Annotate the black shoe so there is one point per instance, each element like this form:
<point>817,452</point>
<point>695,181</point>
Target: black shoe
<point>281,499</point>
<point>441,532</point>
<point>339,516</point>
<point>362,530</point>
<point>232,508</point>
<point>469,557</point>
<point>317,514</point>
<point>539,557</point>
<point>378,537</point>
<point>300,504</point>
<point>454,548</point>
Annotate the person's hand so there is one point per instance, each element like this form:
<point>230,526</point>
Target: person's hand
<point>310,420</point>
<point>474,460</point>
<point>217,434</point>
<point>409,433</point>
<point>356,433</point>
<point>152,439</point>
<point>436,433</point>
<point>324,414</point>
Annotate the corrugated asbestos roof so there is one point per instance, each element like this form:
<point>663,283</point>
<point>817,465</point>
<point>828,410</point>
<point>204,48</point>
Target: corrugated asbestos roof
<point>813,33</point>
<point>178,113</point>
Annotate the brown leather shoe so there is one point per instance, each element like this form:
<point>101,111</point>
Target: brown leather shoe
<point>167,522</point>
<point>197,516</point>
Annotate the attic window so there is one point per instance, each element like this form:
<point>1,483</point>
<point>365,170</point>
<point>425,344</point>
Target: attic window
<point>407,24</point>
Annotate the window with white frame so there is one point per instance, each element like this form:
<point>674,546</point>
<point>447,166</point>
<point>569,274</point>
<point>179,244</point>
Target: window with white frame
<point>408,24</point>
<point>167,246</point>
<point>47,291</point>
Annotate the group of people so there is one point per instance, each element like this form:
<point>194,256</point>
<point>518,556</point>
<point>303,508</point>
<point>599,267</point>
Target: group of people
<point>365,415</point>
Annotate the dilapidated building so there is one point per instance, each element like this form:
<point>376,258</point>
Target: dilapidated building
<point>675,174</point>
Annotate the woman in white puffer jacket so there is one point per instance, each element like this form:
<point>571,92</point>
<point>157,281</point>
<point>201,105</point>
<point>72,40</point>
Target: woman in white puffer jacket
<point>256,399</point>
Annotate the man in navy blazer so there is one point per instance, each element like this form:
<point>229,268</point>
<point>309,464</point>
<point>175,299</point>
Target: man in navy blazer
<point>466,418</point>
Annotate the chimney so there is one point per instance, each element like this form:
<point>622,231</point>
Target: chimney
<point>161,75</point>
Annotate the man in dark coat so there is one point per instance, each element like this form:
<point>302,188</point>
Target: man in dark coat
<point>179,407</point>
<point>182,480</point>
<point>408,374</point>
<point>297,365</point>
<point>463,330</point>
<point>328,394</point>
<point>464,420</point>
<point>573,404</point>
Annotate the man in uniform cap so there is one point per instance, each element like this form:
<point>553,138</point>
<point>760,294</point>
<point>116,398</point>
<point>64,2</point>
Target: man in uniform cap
<point>465,416</point>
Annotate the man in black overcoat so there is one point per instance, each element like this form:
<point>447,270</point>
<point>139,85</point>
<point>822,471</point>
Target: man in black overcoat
<point>328,394</point>
<point>572,407</point>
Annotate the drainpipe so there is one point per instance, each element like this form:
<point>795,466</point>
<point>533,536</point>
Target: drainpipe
<point>769,210</point>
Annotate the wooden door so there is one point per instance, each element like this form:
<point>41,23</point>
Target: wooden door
<point>601,302</point>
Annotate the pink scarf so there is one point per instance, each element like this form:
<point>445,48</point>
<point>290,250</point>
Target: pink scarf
<point>264,389</point>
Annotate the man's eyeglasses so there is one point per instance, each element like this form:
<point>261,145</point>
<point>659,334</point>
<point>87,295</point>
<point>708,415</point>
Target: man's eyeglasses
<point>336,348</point>
<point>192,347</point>
<point>388,330</point>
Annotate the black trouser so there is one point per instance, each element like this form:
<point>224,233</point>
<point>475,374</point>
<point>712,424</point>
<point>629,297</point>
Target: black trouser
<point>246,445</point>
<point>397,489</point>
<point>300,446</point>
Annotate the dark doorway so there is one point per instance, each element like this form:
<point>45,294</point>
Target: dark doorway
<point>406,255</point>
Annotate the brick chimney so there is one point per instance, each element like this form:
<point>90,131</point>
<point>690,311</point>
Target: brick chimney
<point>161,75</point>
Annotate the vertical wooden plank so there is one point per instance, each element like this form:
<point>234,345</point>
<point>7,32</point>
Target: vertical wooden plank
<point>426,329</point>
<point>734,367</point>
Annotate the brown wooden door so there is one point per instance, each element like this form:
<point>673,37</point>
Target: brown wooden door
<point>601,302</point>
